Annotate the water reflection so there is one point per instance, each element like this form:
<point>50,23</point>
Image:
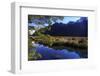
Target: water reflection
<point>50,53</point>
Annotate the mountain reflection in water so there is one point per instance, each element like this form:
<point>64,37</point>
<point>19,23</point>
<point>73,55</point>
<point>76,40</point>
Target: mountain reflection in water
<point>50,53</point>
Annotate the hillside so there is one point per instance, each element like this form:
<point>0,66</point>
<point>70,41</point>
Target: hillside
<point>76,29</point>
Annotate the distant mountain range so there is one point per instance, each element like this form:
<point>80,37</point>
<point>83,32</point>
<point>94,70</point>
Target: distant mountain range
<point>78,28</point>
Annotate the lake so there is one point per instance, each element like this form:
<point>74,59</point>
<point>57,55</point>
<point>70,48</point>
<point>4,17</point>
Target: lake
<point>50,53</point>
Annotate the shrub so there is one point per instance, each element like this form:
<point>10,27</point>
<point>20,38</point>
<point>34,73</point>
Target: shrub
<point>30,42</point>
<point>45,39</point>
<point>33,55</point>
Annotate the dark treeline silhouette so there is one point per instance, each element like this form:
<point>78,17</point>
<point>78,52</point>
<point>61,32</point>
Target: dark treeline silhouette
<point>78,28</point>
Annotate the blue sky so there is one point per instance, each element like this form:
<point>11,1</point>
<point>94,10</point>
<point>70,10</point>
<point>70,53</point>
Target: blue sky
<point>69,18</point>
<point>65,20</point>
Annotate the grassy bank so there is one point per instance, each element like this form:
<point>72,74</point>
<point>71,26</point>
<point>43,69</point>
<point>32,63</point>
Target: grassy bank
<point>62,41</point>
